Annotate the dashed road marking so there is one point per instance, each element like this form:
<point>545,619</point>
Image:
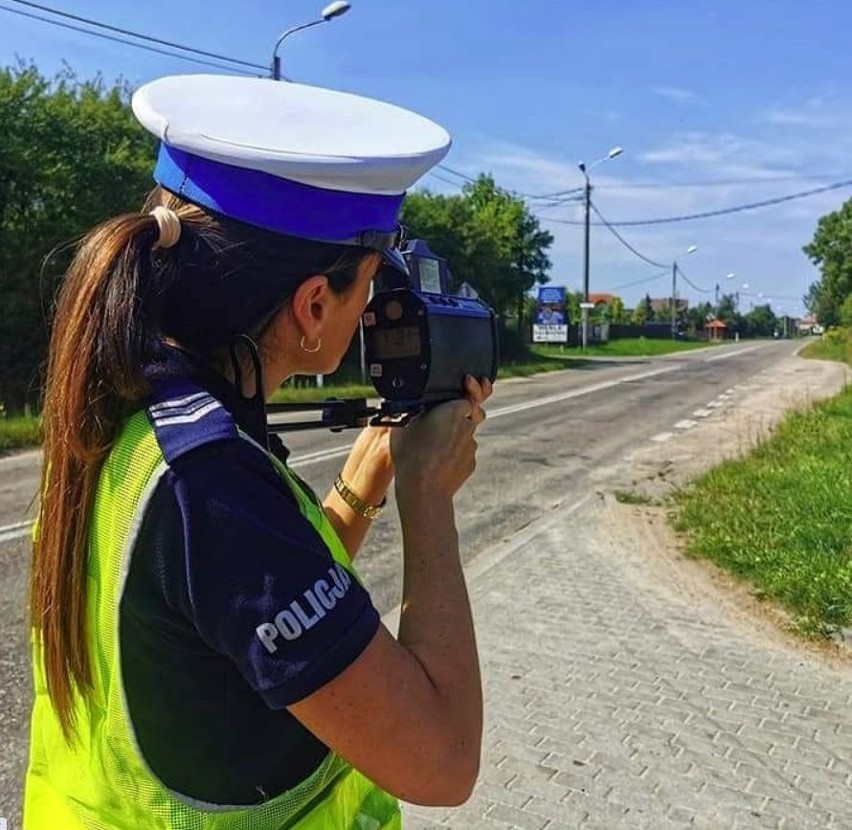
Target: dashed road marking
<point>702,413</point>
<point>686,424</point>
<point>662,437</point>
<point>726,355</point>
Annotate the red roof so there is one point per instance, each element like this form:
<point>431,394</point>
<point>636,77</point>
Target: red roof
<point>715,324</point>
<point>600,298</point>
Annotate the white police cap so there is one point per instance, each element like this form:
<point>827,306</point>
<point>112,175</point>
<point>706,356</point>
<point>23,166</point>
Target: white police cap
<point>290,158</point>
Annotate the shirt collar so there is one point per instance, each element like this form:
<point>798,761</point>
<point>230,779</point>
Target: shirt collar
<point>170,362</point>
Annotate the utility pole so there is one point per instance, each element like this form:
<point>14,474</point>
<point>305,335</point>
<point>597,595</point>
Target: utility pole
<point>584,306</point>
<point>717,298</point>
<point>588,206</point>
<point>674,299</point>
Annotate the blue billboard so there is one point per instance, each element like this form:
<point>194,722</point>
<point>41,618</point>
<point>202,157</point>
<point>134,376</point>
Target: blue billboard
<point>551,319</point>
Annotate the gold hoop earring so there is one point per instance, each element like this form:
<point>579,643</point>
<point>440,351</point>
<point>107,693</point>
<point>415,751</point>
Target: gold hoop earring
<point>304,348</point>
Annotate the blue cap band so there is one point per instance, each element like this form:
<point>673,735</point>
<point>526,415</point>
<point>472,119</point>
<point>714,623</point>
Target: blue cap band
<point>280,205</point>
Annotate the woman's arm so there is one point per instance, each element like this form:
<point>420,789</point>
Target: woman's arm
<point>408,712</point>
<point>368,471</point>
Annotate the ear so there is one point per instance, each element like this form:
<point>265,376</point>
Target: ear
<point>311,305</point>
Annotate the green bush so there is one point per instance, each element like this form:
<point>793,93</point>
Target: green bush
<point>16,433</point>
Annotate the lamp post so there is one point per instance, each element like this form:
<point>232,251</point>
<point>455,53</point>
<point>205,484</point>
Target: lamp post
<point>587,200</point>
<point>690,250</point>
<point>729,276</point>
<point>331,11</point>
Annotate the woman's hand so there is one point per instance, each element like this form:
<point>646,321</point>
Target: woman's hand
<point>437,450</point>
<point>369,465</point>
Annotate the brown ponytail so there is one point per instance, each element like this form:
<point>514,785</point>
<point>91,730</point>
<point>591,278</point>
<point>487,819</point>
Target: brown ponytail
<point>96,347</point>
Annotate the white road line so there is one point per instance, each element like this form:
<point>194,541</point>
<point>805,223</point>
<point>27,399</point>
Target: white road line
<point>702,413</point>
<point>577,393</point>
<point>320,455</point>
<point>23,528</point>
<point>726,355</point>
<point>15,531</point>
<point>686,424</point>
<point>662,437</point>
<point>716,404</point>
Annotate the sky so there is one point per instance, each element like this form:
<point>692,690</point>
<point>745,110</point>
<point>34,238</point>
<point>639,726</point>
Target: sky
<point>716,104</point>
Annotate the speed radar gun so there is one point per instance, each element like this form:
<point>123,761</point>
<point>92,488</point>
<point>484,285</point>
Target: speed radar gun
<point>420,340</point>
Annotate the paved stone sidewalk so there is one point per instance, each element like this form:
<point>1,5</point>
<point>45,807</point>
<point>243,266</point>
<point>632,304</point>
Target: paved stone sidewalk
<point>617,700</point>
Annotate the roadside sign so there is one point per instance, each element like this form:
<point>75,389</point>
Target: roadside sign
<point>551,321</point>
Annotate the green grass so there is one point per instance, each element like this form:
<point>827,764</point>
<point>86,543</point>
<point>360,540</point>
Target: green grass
<point>830,348</point>
<point>632,497</point>
<point>17,433</point>
<point>627,347</point>
<point>781,518</point>
<point>309,394</point>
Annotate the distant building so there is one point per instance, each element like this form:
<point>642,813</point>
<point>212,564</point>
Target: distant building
<point>807,325</point>
<point>660,305</point>
<point>599,299</point>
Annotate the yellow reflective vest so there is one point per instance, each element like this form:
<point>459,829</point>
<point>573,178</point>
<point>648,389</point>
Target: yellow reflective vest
<point>102,781</point>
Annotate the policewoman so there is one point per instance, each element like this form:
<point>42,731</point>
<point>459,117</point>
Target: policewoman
<point>205,655</point>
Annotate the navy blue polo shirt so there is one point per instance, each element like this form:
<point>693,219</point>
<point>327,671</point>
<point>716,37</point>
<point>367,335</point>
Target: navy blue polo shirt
<point>233,607</point>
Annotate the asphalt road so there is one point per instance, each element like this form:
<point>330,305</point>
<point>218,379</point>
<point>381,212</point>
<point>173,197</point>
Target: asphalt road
<point>543,442</point>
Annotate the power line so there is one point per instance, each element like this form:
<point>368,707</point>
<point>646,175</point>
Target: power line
<point>656,276</point>
<point>711,183</point>
<point>623,241</point>
<point>692,284</point>
<point>126,32</point>
<point>721,212</point>
<point>444,179</point>
<point>555,198</point>
<point>456,173</point>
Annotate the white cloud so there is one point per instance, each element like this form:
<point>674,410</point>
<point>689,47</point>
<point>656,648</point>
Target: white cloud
<point>807,118</point>
<point>727,155</point>
<point>676,94</point>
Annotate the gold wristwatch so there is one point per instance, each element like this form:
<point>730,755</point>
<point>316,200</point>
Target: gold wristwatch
<point>361,508</point>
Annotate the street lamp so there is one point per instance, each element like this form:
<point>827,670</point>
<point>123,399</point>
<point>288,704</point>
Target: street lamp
<point>729,276</point>
<point>587,199</point>
<point>331,11</point>
<point>690,250</point>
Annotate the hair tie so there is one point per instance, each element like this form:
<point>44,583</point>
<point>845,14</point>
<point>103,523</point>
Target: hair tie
<point>168,223</point>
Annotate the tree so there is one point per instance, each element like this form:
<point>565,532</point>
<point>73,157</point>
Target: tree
<point>573,312</point>
<point>728,312</point>
<point>611,311</point>
<point>697,317</point>
<point>831,251</point>
<point>761,321</point>
<point>71,155</point>
<point>644,312</point>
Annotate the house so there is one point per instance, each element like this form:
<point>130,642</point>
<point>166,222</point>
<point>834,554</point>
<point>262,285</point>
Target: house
<point>601,299</point>
<point>807,325</point>
<point>663,305</point>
